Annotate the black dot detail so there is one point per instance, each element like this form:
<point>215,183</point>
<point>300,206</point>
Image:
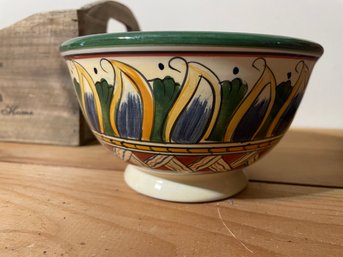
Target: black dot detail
<point>289,75</point>
<point>235,70</point>
<point>161,66</point>
<point>95,71</point>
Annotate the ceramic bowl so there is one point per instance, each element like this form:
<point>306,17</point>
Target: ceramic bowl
<point>189,110</point>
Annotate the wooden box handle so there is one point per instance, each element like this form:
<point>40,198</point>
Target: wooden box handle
<point>94,17</point>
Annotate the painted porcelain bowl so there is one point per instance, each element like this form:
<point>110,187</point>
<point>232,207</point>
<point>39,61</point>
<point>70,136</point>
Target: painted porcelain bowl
<point>189,110</point>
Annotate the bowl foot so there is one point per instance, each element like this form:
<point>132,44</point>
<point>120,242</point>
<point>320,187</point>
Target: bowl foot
<point>185,188</point>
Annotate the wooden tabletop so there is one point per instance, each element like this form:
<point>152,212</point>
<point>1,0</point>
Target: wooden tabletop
<point>72,201</point>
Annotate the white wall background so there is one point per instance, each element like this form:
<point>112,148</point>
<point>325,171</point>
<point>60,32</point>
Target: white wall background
<point>316,20</point>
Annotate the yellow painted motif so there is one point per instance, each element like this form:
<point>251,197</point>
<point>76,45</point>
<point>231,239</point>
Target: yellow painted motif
<point>200,150</point>
<point>195,73</point>
<point>143,147</point>
<point>218,150</point>
<point>299,85</point>
<point>83,76</point>
<point>267,79</point>
<point>143,88</point>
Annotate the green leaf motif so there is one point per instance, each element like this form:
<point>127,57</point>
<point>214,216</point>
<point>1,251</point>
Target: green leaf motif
<point>165,92</point>
<point>77,89</point>
<point>105,93</point>
<point>233,93</point>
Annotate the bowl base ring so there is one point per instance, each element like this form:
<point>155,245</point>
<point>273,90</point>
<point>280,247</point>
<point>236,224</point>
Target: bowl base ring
<point>185,187</point>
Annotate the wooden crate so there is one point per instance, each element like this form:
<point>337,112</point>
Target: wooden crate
<point>37,99</point>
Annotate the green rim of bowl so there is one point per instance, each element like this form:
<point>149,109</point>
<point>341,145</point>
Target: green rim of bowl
<point>205,39</point>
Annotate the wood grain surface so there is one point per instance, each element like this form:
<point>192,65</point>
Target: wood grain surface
<point>313,157</point>
<point>70,201</point>
<point>61,211</point>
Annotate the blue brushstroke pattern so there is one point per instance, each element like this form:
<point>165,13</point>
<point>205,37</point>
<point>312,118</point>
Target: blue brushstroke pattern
<point>192,123</point>
<point>250,121</point>
<point>288,115</point>
<point>91,112</point>
<point>129,118</point>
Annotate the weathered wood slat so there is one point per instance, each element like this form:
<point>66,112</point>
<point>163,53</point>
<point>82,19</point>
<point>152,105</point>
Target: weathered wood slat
<point>38,102</point>
<point>37,98</point>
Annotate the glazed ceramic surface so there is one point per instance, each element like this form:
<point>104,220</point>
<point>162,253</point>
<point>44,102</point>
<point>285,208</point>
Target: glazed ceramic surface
<point>189,103</point>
